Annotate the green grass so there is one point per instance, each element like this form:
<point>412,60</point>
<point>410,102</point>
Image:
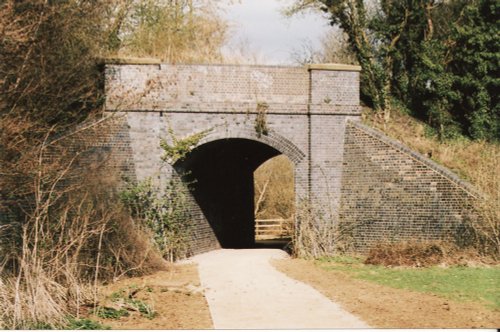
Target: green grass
<point>480,284</point>
<point>110,313</point>
<point>84,324</point>
<point>141,306</point>
<point>72,323</point>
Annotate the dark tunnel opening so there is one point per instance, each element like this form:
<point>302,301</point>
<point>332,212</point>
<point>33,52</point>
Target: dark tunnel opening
<point>220,175</point>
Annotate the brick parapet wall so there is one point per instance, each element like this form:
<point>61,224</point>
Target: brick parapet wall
<point>230,89</point>
<point>391,193</point>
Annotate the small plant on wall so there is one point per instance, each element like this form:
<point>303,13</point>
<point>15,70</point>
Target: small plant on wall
<point>179,148</point>
<point>261,119</point>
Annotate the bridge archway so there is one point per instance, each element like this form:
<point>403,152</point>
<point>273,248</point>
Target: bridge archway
<point>245,131</point>
<point>351,173</point>
<point>220,173</point>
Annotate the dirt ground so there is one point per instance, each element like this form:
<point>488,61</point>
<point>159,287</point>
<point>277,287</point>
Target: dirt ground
<point>175,295</point>
<point>385,307</point>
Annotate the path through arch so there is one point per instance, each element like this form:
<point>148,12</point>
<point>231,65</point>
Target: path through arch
<point>220,174</point>
<point>244,291</point>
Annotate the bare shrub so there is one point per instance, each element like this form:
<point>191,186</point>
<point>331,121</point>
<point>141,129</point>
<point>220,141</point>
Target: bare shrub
<point>419,254</point>
<point>47,61</point>
<point>274,189</point>
<point>68,232</point>
<point>315,234</point>
<point>423,254</point>
<point>58,250</point>
<point>49,81</point>
<point>184,31</point>
<point>65,255</point>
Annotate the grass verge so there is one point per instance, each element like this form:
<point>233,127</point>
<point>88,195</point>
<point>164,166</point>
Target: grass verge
<point>474,284</point>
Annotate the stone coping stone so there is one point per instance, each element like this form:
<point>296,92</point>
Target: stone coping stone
<point>333,67</point>
<point>155,61</point>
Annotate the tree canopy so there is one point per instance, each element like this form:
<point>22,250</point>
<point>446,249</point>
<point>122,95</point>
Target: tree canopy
<point>437,59</point>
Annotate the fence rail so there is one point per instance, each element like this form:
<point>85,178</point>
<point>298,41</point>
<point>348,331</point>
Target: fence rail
<point>273,228</point>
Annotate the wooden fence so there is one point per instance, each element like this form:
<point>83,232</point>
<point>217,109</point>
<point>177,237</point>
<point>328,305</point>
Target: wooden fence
<point>273,228</point>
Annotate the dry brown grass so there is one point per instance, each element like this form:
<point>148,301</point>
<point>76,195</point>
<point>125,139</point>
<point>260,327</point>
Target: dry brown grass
<point>63,258</point>
<point>474,161</point>
<point>67,232</point>
<point>422,254</point>
<point>184,31</point>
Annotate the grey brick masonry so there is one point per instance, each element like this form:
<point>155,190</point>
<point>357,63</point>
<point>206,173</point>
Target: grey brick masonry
<point>310,114</point>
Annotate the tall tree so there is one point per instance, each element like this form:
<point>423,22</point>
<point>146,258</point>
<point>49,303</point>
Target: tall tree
<point>475,69</point>
<point>436,58</point>
<point>373,39</point>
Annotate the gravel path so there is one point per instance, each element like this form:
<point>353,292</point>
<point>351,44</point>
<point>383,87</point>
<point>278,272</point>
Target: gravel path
<point>244,291</point>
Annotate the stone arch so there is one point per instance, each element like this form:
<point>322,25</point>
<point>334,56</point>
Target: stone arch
<point>272,139</point>
<point>220,169</point>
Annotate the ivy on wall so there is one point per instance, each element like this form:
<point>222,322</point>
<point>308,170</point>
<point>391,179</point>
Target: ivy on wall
<point>179,148</point>
<point>261,119</point>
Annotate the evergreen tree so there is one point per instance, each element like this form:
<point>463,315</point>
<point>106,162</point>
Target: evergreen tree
<point>475,69</point>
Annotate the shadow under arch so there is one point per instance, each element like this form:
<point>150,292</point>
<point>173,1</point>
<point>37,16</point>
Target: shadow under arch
<point>272,138</point>
<point>219,171</point>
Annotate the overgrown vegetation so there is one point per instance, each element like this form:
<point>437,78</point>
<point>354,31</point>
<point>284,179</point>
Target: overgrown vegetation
<point>63,228</point>
<point>50,234</point>
<point>165,214</point>
<point>54,258</point>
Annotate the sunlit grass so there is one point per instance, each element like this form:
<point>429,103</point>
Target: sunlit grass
<point>476,284</point>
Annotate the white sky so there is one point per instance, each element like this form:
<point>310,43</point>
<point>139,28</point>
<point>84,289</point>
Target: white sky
<point>260,29</point>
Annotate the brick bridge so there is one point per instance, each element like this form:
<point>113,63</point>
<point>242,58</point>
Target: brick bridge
<point>240,116</point>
